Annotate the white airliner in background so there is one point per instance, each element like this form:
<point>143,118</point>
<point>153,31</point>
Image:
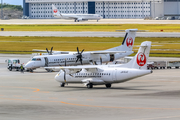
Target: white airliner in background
<point>89,57</point>
<point>76,17</point>
<point>106,74</point>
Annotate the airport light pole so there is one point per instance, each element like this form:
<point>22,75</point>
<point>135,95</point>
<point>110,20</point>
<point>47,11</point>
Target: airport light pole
<point>1,9</point>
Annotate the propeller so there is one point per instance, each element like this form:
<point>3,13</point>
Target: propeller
<point>50,53</point>
<point>79,56</point>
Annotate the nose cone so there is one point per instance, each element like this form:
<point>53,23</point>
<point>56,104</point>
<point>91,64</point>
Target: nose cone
<point>57,77</point>
<point>28,65</point>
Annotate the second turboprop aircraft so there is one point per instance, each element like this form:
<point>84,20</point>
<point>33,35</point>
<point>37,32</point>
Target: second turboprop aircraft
<point>88,57</point>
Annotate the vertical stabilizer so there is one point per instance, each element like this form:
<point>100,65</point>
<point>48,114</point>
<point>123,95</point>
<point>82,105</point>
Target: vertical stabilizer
<point>128,42</point>
<point>141,58</point>
<point>55,10</point>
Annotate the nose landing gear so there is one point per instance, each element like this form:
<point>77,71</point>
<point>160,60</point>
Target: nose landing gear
<point>62,84</point>
<point>90,85</point>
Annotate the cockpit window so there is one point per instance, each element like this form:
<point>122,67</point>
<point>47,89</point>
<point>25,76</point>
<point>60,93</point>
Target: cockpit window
<point>36,59</point>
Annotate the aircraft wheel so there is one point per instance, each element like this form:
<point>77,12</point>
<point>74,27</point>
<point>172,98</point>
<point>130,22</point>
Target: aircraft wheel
<point>108,85</point>
<point>90,85</point>
<point>48,70</point>
<point>62,84</point>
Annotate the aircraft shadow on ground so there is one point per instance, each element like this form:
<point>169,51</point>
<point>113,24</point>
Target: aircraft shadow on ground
<point>75,88</point>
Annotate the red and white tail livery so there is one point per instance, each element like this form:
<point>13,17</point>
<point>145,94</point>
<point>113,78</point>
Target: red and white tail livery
<point>140,60</point>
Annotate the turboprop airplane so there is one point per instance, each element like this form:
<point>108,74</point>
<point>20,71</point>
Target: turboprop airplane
<point>106,74</point>
<point>76,17</point>
<point>89,57</point>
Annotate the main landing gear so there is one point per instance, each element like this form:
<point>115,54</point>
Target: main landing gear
<point>31,70</point>
<point>62,84</point>
<point>108,85</point>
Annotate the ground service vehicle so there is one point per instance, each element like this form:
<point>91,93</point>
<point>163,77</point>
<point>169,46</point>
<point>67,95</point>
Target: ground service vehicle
<point>156,65</point>
<point>171,64</point>
<point>13,63</point>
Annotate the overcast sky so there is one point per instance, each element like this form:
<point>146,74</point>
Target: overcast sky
<point>14,2</point>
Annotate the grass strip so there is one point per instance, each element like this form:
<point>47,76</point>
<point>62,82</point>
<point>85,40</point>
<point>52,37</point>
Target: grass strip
<point>165,47</point>
<point>93,27</point>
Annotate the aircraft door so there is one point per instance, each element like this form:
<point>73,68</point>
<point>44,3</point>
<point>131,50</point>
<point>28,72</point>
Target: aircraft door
<point>114,76</point>
<point>111,57</point>
<point>46,61</point>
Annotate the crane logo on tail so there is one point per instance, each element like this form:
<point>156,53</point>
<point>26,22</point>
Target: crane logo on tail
<point>141,59</point>
<point>129,42</point>
<point>55,10</point>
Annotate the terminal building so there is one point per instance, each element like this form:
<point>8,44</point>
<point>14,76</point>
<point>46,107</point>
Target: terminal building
<point>127,9</point>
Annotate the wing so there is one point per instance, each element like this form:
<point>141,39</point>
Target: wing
<point>37,50</point>
<point>107,52</point>
<point>76,69</point>
<point>54,52</point>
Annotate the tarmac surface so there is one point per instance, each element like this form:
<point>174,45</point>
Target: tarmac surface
<point>38,96</point>
<point>86,34</point>
<point>102,21</point>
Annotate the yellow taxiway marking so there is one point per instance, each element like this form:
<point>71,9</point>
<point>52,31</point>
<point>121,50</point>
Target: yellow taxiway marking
<point>36,89</point>
<point>82,105</point>
<point>166,117</point>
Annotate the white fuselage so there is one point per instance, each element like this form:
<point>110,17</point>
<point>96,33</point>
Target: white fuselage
<point>70,59</point>
<point>106,75</point>
<point>78,16</point>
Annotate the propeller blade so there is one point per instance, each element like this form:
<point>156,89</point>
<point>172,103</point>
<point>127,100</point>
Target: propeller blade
<point>100,60</point>
<point>81,61</point>
<point>65,62</point>
<point>47,50</point>
<point>78,50</point>
<point>51,51</point>
<point>82,51</point>
<point>77,60</point>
